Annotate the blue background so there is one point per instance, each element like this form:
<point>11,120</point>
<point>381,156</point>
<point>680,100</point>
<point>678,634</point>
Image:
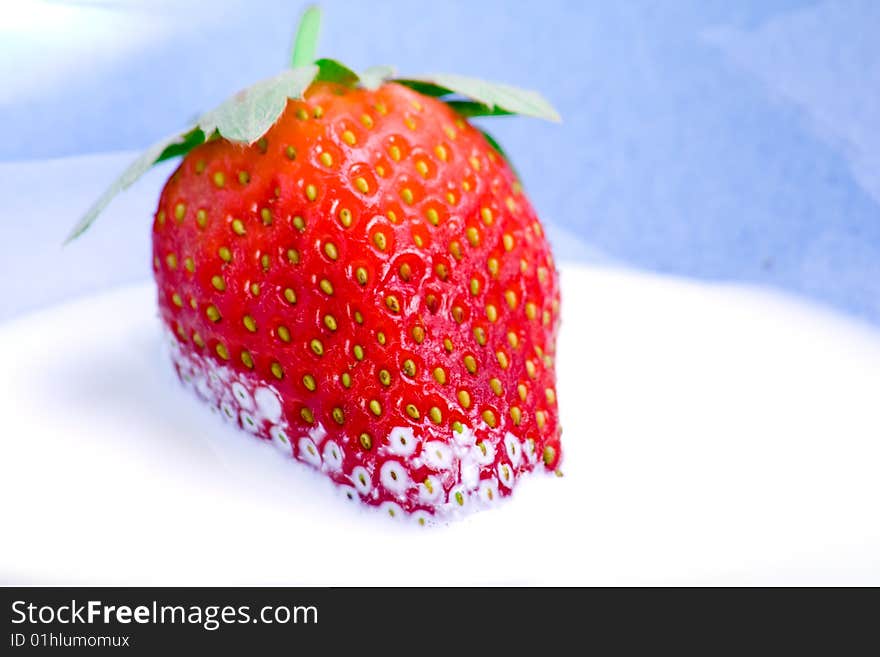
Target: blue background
<point>729,141</point>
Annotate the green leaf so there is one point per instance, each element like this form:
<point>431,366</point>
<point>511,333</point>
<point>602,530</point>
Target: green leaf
<point>424,87</point>
<point>329,70</point>
<point>373,77</point>
<point>492,94</point>
<point>305,44</point>
<point>245,117</point>
<point>134,171</point>
<point>469,108</point>
<point>190,140</point>
<point>494,144</point>
<point>251,112</point>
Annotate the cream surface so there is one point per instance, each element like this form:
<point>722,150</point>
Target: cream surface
<point>712,434</point>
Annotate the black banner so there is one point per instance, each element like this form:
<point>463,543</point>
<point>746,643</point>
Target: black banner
<point>408,620</point>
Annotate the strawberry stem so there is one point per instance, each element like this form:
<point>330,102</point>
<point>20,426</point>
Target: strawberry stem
<point>305,45</point>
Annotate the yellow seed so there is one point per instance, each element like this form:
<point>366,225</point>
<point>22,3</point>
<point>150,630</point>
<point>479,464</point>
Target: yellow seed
<point>249,323</point>
<point>549,455</point>
<point>326,159</point>
<point>311,192</point>
<point>470,364</point>
<point>491,312</point>
<point>447,344</point>
<point>301,114</point>
<point>338,416</point>
<point>380,338</point>
<point>266,216</point>
<point>441,152</point>
<point>306,414</point>
<point>176,300</point>
<point>410,123</point>
<point>201,218</point>
<point>349,138</point>
<point>480,336</point>
<point>219,179</point>
<point>264,261</point>
<point>346,380</point>
<point>362,185</point>
<point>450,132</point>
<point>290,152</point>
<point>522,391</point>
<point>486,213</point>
<point>366,441</point>
<point>492,266</point>
<point>330,322</point>
<point>489,418</point>
<point>283,334</point>
<point>189,264</point>
<point>299,223</point>
<point>380,170</point>
<point>407,195</point>
<point>358,317</point>
<point>495,384</point>
<point>361,275</point>
<point>238,227</point>
<point>464,398</point>
<point>473,236</point>
<point>385,377</point>
<point>550,394</point>
<point>531,369</point>
<point>244,177</point>
<point>546,318</point>
<point>510,297</point>
<point>531,310</point>
<point>317,347</point>
<point>330,250</point>
<point>375,408</point>
<point>418,334</point>
<point>319,111</point>
<point>436,415</point>
<point>394,152</point>
<point>171,261</point>
<point>380,241</point>
<point>290,296</point>
<point>212,313</point>
<point>458,314</point>
<point>418,240</point>
<point>358,351</point>
<point>465,186</point>
<point>412,411</point>
<point>380,107</point>
<point>293,256</point>
<point>513,339</point>
<point>441,271</point>
<point>515,415</point>
<point>422,168</point>
<point>179,212</point>
<point>540,418</point>
<point>367,120</point>
<point>218,283</point>
<point>508,241</point>
<point>247,360</point>
<point>255,289</point>
<point>225,254</point>
<point>345,217</point>
<point>222,351</point>
<point>326,287</point>
<point>409,368</point>
<point>440,375</point>
<point>193,303</point>
<point>309,382</point>
<point>432,216</point>
<point>263,145</point>
<point>502,359</point>
<point>475,286</point>
<point>511,205</point>
<point>198,339</point>
<point>450,197</point>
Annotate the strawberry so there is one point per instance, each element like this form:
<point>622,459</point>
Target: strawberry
<point>367,286</point>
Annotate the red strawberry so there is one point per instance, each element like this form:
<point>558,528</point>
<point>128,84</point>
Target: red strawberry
<point>368,287</point>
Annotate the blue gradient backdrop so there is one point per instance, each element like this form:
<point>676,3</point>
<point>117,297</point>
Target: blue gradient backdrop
<point>734,141</point>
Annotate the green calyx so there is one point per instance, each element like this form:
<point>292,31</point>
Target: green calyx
<point>248,115</point>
